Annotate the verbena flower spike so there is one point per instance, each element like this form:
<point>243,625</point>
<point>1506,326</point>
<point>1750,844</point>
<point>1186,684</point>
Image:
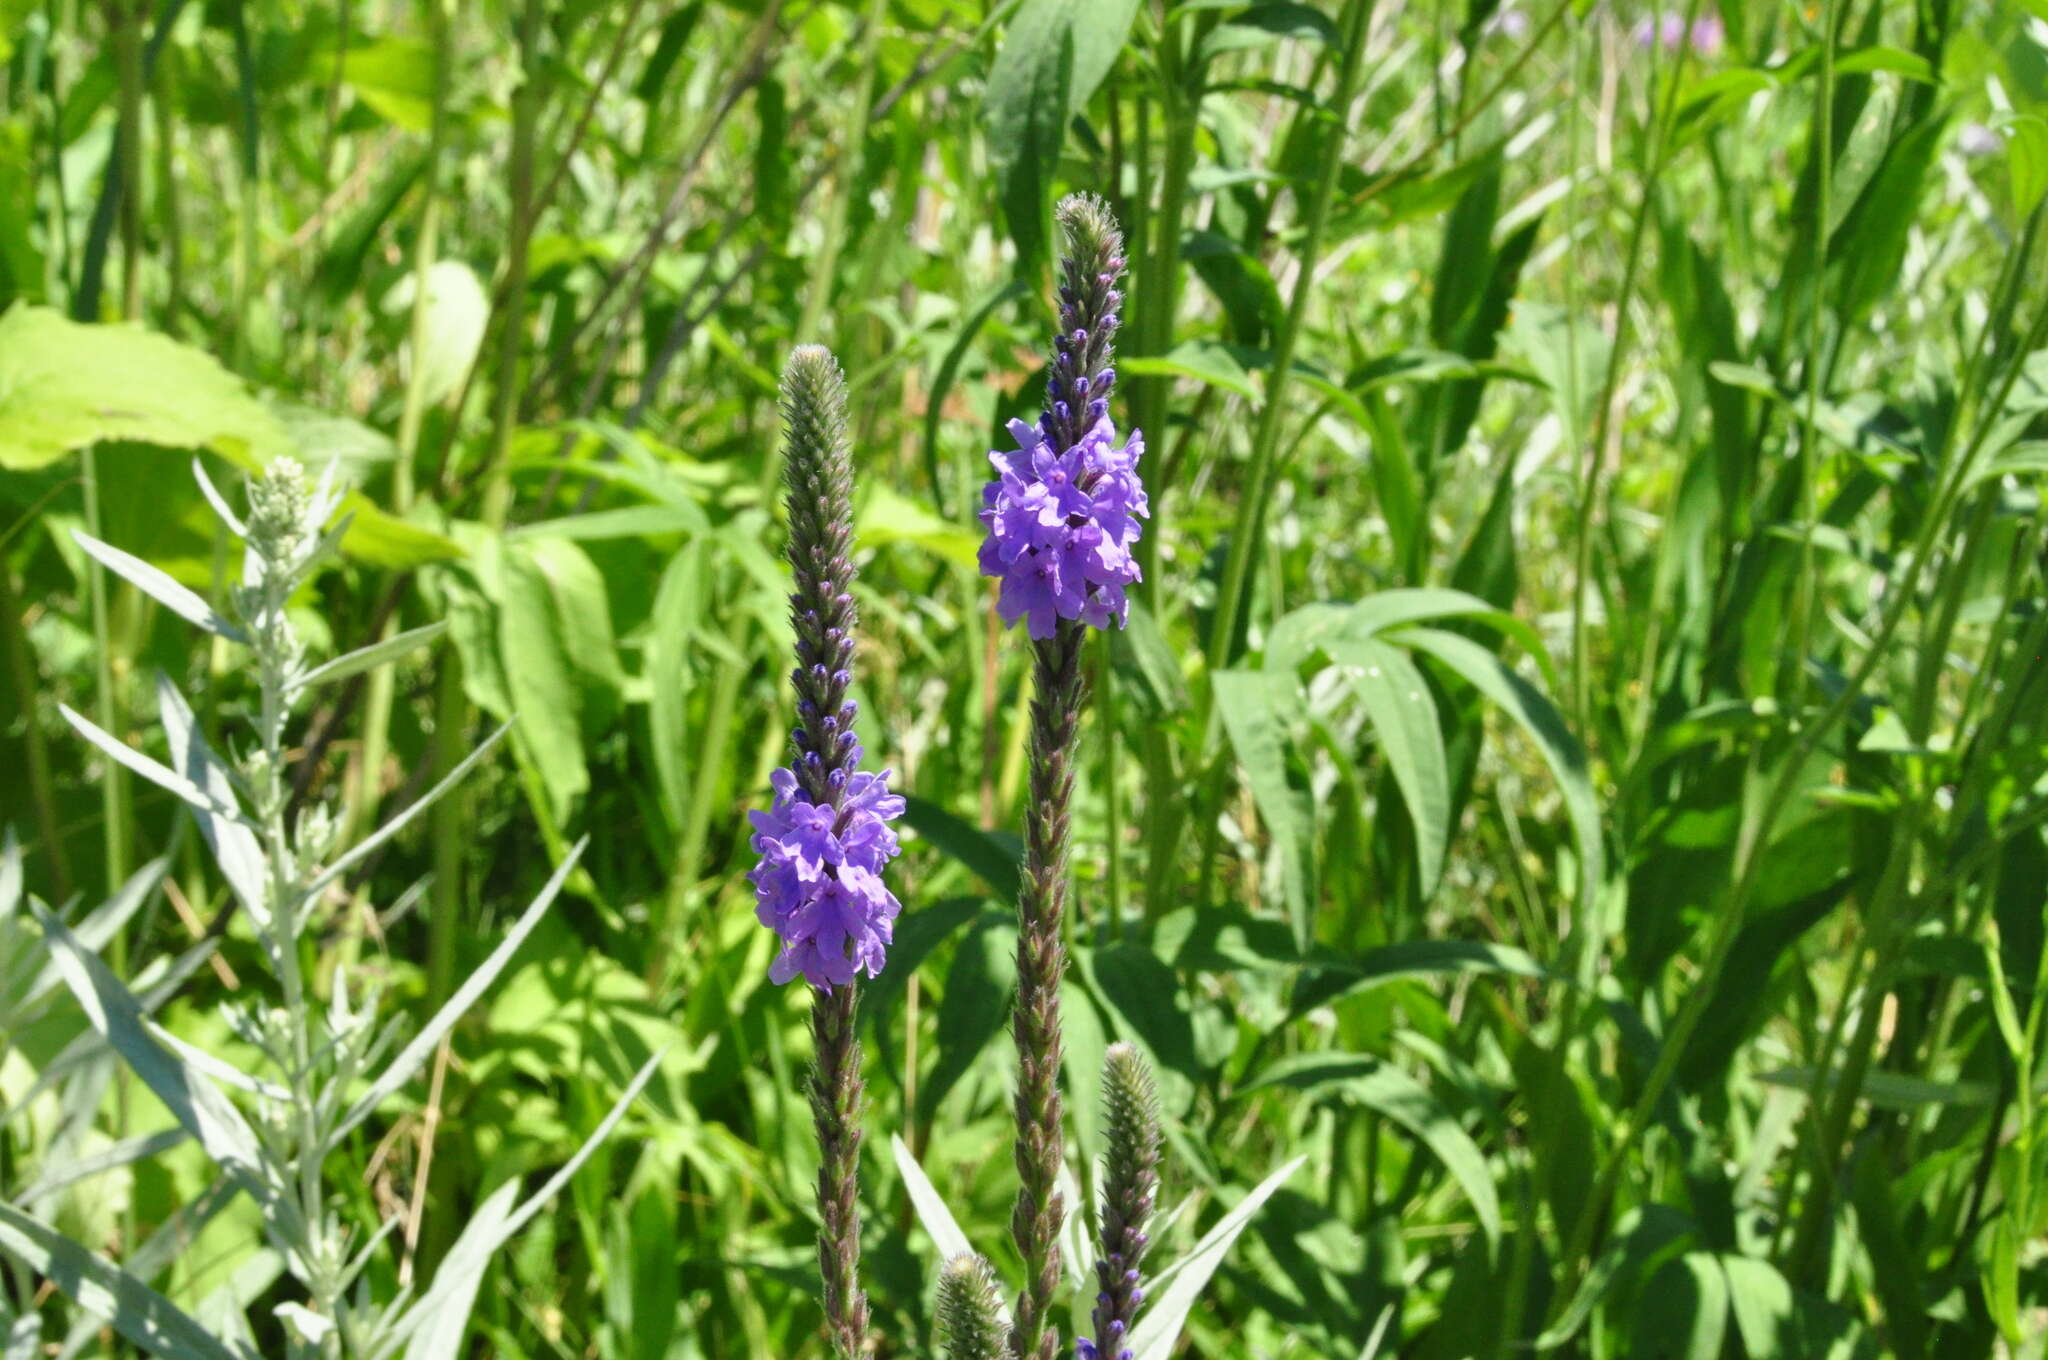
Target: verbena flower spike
<point>825,841</point>
<point>1130,1192</point>
<point>1061,517</point>
<point>970,1318</point>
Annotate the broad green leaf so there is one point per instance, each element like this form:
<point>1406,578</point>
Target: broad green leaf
<point>1396,699</point>
<point>1645,1236</point>
<point>1409,959</point>
<point>66,384</point>
<point>555,636</point>
<point>1683,1311</point>
<point>136,1311</point>
<point>1537,716</point>
<point>1053,56</point>
<point>1206,361</point>
<point>1253,705</point>
<point>1300,633</point>
<point>381,539</point>
<point>1386,1089</point>
<point>1177,1289</point>
<point>394,76</point>
<point>631,521</point>
<point>457,311</point>
<point>679,609</point>
<point>2026,154</point>
<point>886,517</point>
<point>995,862</point>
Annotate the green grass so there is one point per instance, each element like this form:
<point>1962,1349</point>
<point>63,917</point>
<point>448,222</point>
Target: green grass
<point>1576,770</point>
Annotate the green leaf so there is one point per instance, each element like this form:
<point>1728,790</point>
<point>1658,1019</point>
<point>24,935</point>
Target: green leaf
<point>1537,716</point>
<point>972,1006</point>
<point>561,665</point>
<point>2026,153</point>
<point>1389,1091</point>
<point>1409,959</point>
<point>136,1311</point>
<point>1176,1289</point>
<point>932,1213</point>
<point>1252,705</point>
<point>457,311</point>
<point>678,606</point>
<point>1396,699</point>
<point>1053,56</point>
<point>995,862</point>
<point>886,517</point>
<point>380,539</point>
<point>394,76</point>
<point>65,385</point>
<point>1683,1311</point>
<point>1206,361</point>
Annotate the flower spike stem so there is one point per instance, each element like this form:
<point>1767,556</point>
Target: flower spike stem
<point>1130,1193</point>
<point>1041,959</point>
<point>1061,519</point>
<point>835,1112</point>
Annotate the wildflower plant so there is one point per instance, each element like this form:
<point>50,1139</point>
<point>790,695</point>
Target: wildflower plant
<point>824,842</point>
<point>326,1064</point>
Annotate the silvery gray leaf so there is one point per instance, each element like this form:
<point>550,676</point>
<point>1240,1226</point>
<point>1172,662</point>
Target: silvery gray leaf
<point>363,658</point>
<point>141,764</point>
<point>356,854</point>
<point>1177,1288</point>
<point>415,1054</point>
<point>136,1311</point>
<point>154,583</point>
<point>234,844</point>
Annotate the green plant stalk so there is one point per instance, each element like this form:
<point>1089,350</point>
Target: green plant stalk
<point>1757,836</point>
<point>42,790</point>
<point>1809,495</point>
<point>164,93</point>
<point>824,270</point>
<point>114,786</point>
<point>376,738</point>
<point>126,19</point>
<point>724,699</point>
<point>251,183</point>
<point>1263,471</point>
<point>1603,408</point>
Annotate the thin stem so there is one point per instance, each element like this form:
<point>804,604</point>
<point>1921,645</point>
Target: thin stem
<point>42,789</point>
<point>1809,495</point>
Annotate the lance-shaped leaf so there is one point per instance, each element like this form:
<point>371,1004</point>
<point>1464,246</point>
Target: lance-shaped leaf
<point>136,1311</point>
<point>63,1174</point>
<point>415,1054</point>
<point>169,1243</point>
<point>1178,1287</point>
<point>932,1212</point>
<point>152,582</point>
<point>194,1102</point>
<point>17,997</point>
<point>233,843</point>
<point>376,654</point>
<point>363,848</point>
<point>464,1265</point>
<point>127,755</point>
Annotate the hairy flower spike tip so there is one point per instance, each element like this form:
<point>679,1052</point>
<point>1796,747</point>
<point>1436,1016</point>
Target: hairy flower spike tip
<point>970,1319</point>
<point>1130,1108</point>
<point>1062,514</point>
<point>825,840</point>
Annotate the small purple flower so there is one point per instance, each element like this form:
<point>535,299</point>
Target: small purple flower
<point>1670,31</point>
<point>1061,524</point>
<point>819,884</point>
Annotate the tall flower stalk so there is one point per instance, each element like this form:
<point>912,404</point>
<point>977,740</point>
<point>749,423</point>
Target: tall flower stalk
<point>826,839</point>
<point>1130,1192</point>
<point>1061,518</point>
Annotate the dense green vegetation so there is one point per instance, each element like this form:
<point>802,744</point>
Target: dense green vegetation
<point>1576,769</point>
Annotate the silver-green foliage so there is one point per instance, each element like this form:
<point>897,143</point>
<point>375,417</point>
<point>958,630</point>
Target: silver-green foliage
<point>325,1068</point>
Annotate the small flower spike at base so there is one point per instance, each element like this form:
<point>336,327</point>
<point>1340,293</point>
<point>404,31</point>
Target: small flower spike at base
<point>970,1319</point>
<point>825,840</point>
<point>1061,517</point>
<point>1130,1192</point>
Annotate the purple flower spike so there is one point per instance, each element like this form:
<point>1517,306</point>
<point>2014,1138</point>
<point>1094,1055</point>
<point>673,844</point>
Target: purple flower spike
<point>1062,514</point>
<point>826,839</point>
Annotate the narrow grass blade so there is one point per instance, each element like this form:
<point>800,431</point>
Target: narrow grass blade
<point>932,1212</point>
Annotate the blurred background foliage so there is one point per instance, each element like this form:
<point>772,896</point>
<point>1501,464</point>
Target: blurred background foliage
<point>1575,769</point>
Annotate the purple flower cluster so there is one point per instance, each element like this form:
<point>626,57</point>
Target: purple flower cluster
<point>819,883</point>
<point>1061,523</point>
